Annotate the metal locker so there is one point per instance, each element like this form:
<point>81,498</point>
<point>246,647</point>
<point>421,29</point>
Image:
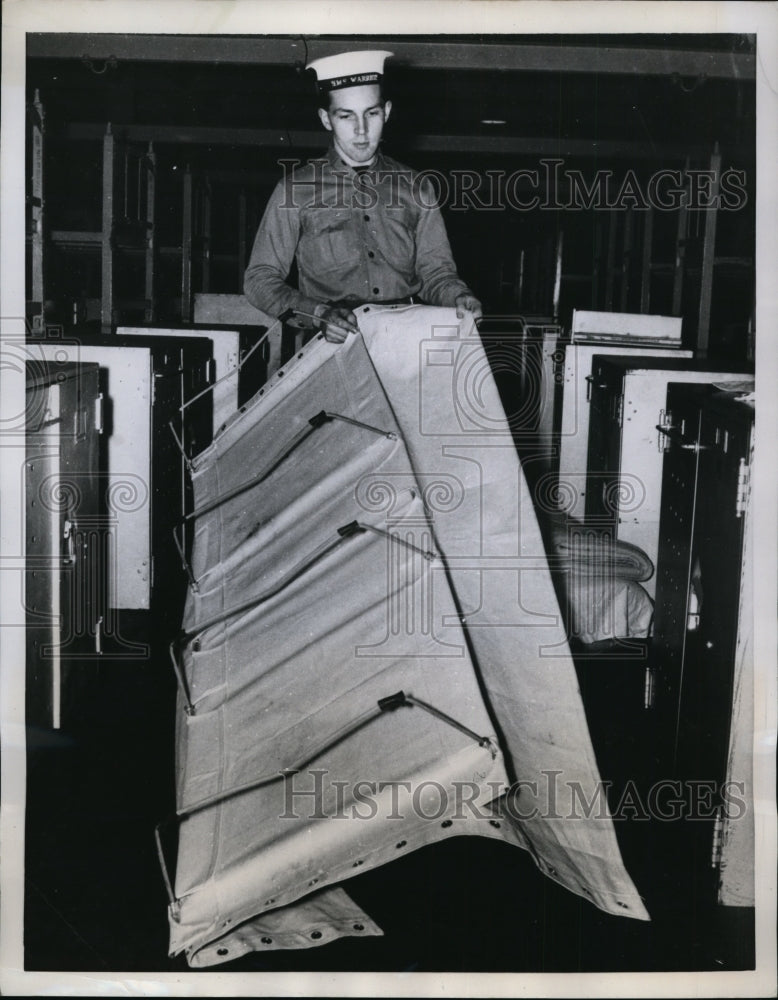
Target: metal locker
<point>624,465</point>
<point>145,383</point>
<point>229,346</point>
<point>700,616</point>
<point>573,381</point>
<point>538,387</point>
<point>183,370</point>
<point>725,443</point>
<point>65,533</point>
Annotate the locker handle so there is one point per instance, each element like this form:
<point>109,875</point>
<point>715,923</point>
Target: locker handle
<point>589,380</point>
<point>67,534</point>
<point>677,438</point>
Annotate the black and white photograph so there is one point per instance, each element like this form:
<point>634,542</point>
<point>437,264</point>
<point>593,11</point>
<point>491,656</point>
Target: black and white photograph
<point>388,537</point>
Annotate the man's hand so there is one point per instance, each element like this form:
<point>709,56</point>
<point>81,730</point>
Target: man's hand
<point>337,322</point>
<point>468,303</point>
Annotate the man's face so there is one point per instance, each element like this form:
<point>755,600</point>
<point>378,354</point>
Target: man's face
<point>356,119</point>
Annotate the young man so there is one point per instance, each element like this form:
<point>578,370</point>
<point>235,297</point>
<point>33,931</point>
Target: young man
<point>361,226</point>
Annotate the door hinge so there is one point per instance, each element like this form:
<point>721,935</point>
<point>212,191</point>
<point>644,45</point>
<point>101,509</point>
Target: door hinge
<point>648,691</point>
<point>716,847</point>
<point>665,424</point>
<point>743,487</point>
<point>619,410</point>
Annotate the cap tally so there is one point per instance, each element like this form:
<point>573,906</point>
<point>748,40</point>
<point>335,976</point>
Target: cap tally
<point>349,69</point>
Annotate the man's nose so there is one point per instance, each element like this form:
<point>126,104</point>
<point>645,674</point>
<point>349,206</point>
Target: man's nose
<point>361,126</point>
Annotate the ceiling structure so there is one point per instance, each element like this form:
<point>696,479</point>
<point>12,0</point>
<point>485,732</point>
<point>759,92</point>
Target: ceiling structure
<point>232,107</point>
<point>654,97</point>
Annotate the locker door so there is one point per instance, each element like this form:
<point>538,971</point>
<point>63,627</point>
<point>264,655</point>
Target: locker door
<point>717,552</point>
<point>125,375</point>
<point>604,451</point>
<point>84,596</point>
<point>696,625</point>
<point>180,372</point>
<point>65,577</point>
<point>43,528</point>
<point>674,569</point>
<point>572,417</point>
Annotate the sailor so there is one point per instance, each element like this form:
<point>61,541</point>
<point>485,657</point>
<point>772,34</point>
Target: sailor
<point>361,226</point>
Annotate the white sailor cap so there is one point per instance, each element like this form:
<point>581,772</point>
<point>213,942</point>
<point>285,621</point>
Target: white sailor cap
<point>349,69</point>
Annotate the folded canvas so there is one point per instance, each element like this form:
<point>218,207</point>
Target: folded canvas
<point>372,653</point>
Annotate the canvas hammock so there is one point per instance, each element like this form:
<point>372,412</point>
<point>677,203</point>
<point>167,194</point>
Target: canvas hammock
<point>372,651</point>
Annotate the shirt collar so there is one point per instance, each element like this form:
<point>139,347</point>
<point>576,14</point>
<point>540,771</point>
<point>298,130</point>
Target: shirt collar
<point>337,164</point>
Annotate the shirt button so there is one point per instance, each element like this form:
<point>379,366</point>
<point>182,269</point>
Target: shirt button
<point>367,218</point>
<point>376,291</point>
<point>370,253</point>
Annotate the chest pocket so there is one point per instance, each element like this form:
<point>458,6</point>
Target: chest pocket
<point>328,239</point>
<point>398,238</point>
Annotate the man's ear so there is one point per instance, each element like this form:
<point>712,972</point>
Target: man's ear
<point>324,118</point>
<point>387,110</point>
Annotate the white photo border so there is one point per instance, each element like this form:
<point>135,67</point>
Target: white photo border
<point>435,17</point>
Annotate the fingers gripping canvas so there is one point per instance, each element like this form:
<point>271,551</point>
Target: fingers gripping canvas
<point>371,652</point>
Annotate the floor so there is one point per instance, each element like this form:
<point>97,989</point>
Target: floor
<point>95,898</point>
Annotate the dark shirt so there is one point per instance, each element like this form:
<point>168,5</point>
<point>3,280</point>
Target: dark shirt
<point>358,235</point>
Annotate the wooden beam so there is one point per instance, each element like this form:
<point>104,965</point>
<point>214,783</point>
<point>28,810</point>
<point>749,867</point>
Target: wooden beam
<point>242,226</point>
<point>596,258</point>
<point>433,54</point>
<point>205,234</point>
<point>645,268</point>
<point>186,248</point>
<point>708,256</point>
<point>109,195</point>
<point>610,260</point>
<point>149,165</point>
<point>626,259</point>
<point>319,139</point>
<point>680,248</point>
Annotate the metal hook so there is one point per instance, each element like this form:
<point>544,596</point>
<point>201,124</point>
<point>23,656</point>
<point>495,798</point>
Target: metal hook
<point>111,62</point>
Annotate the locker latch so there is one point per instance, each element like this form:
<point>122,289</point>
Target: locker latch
<point>676,436</point>
<point>743,484</point>
<point>67,534</point>
<point>663,427</point>
<point>590,381</point>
